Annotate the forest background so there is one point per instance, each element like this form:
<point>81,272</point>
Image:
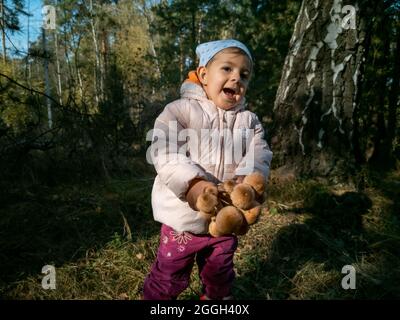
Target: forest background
<point>77,102</point>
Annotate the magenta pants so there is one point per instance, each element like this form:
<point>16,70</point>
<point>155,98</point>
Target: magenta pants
<point>170,273</point>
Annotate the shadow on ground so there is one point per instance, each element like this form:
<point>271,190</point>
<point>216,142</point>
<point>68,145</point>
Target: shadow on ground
<point>40,226</point>
<point>305,259</point>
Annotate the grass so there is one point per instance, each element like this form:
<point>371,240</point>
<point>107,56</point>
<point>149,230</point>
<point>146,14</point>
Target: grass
<point>102,240</point>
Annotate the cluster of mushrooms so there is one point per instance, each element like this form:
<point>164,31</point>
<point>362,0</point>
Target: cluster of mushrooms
<point>230,207</point>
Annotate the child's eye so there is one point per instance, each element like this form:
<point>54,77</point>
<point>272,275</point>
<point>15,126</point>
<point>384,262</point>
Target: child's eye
<point>226,69</point>
<point>244,75</point>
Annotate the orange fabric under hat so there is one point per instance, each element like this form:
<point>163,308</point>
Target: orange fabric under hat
<point>192,77</point>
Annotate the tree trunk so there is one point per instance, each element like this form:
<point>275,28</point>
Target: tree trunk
<point>149,19</point>
<point>194,42</point>
<point>3,30</point>
<point>80,85</point>
<point>59,84</point>
<point>181,59</point>
<point>315,101</point>
<point>104,54</point>
<point>46,80</point>
<point>28,62</point>
<point>98,86</point>
<point>360,152</point>
<point>394,92</point>
<point>380,148</point>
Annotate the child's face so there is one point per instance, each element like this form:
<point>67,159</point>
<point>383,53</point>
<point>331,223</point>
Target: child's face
<point>226,78</point>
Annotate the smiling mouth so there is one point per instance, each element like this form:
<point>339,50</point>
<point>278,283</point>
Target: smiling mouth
<point>229,92</point>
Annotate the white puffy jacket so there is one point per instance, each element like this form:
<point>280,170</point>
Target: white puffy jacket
<point>222,144</point>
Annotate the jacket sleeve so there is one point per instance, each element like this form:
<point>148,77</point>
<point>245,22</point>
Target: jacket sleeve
<point>168,154</point>
<point>258,154</point>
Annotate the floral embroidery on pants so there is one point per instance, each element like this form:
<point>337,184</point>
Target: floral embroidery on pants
<point>180,237</point>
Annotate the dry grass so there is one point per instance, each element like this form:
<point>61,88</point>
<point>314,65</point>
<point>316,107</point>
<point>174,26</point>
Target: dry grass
<point>102,241</point>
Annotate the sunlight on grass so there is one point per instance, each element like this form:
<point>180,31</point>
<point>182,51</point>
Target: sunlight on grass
<point>104,240</point>
<point>116,271</point>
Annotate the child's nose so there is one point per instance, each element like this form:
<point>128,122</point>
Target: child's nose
<point>235,77</point>
<point>237,80</point>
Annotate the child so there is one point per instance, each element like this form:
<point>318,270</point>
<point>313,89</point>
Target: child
<point>212,102</point>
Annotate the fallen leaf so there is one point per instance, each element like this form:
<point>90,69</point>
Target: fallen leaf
<point>139,256</point>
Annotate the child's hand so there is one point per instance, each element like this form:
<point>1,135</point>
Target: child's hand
<point>239,179</point>
<point>196,188</point>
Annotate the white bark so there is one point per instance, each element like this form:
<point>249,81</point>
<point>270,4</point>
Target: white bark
<point>97,73</point>
<point>316,96</point>
<point>59,85</point>
<point>149,18</point>
<point>3,30</point>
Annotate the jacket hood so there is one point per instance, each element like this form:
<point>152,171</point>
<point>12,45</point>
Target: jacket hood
<point>191,89</point>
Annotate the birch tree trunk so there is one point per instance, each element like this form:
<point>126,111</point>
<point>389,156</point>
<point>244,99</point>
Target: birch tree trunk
<point>28,62</point>
<point>149,18</point>
<point>394,94</point>
<point>316,98</point>
<point>3,30</point>
<point>59,85</point>
<point>97,71</point>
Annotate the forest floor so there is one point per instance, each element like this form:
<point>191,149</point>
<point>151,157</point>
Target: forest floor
<point>102,239</point>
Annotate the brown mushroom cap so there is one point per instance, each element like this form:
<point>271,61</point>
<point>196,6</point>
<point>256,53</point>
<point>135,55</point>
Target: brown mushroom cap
<point>257,181</point>
<point>242,196</point>
<point>228,185</point>
<point>252,214</point>
<point>206,202</point>
<point>211,190</point>
<point>213,230</point>
<point>229,220</point>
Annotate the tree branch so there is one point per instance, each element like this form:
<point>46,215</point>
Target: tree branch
<point>56,103</point>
